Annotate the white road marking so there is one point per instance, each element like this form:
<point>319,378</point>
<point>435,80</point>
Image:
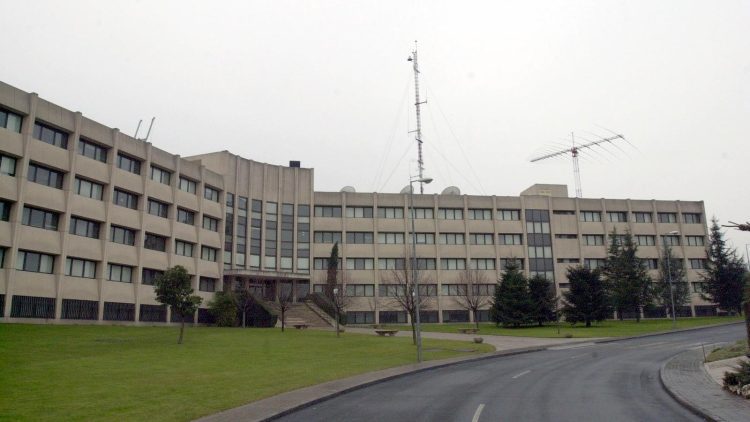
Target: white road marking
<point>521,374</point>
<point>578,356</point>
<point>571,346</point>
<point>478,413</point>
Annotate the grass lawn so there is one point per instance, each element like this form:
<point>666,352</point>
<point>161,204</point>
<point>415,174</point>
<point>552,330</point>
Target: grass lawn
<point>739,348</point>
<point>84,373</point>
<point>609,328</point>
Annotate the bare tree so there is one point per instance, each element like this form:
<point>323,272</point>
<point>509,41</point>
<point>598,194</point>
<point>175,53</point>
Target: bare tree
<point>472,297</point>
<point>340,302</point>
<point>335,295</point>
<point>403,285</point>
<point>285,302</point>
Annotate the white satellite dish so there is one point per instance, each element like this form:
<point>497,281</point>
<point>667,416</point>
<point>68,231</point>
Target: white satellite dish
<point>348,189</point>
<point>451,190</point>
<point>406,189</point>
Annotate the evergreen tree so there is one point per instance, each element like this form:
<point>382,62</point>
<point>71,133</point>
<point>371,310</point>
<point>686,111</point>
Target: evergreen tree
<point>679,286</point>
<point>173,289</point>
<point>627,276</point>
<point>543,300</point>
<point>724,272</point>
<point>587,299</point>
<point>333,270</point>
<point>511,305</point>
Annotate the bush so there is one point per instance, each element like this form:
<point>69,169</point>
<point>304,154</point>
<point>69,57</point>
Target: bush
<point>739,378</point>
<point>224,309</point>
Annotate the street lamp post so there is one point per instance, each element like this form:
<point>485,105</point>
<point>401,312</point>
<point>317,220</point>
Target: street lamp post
<point>336,308</point>
<point>415,292</point>
<point>669,278</point>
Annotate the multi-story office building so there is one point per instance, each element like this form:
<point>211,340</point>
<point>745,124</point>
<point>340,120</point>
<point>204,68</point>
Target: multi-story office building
<point>90,216</point>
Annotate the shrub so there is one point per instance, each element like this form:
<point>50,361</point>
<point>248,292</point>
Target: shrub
<point>224,309</point>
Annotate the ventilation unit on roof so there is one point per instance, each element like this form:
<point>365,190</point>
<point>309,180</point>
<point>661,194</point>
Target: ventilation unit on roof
<point>348,189</point>
<point>451,190</point>
<point>295,164</point>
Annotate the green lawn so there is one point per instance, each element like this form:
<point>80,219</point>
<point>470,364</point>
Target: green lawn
<point>739,348</point>
<point>139,373</point>
<point>609,328</point>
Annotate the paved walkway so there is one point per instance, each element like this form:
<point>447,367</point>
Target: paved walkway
<point>686,379</point>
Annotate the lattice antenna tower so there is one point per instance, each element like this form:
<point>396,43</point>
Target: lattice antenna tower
<point>574,151</point>
<point>417,104</point>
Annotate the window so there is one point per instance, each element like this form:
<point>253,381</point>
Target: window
<point>390,238</point>
<point>450,213</point>
<point>700,287</point>
<point>504,262</point>
<point>590,216</point>
<point>76,267</point>
<point>209,254</point>
<point>327,211</point>
<point>210,223</point>
<point>452,263</point>
<point>92,150</point>
<point>509,215</point>
<point>183,248</point>
<point>161,175</point>
<point>695,240</point>
<point>390,290</point>
<point>424,213</point>
<point>391,263</point>
<point>211,194</point>
<point>185,216</point>
<point>563,212</point>
<point>392,317</point>
<point>39,218</point>
<point>667,217</point>
<point>452,239</point>
<point>593,239</point>
<point>45,176</point>
<point>568,260</point>
<point>50,135</point>
<point>157,208</point>
<point>481,238</point>
<point>670,240</point>
<point>645,240</point>
<point>148,276</point>
<point>540,252</point>
<point>651,263</point>
<point>594,263</point>
<point>322,263</point>
<point>5,210</point>
<point>359,212</point>
<point>187,185</point>
<point>617,216</point>
<point>128,164</point>
<point>390,212</point>
<point>121,273</point>
<point>619,239</point>
<point>207,284</point>
<point>34,262</point>
<point>697,263</point>
<point>359,237</point>
<point>122,235</point>
<point>155,242</point>
<point>425,238</point>
<point>88,188</point>
<point>691,218</point>
<point>642,217</point>
<point>10,120</point>
<point>360,290</point>
<point>125,199</point>
<point>360,263</point>
<point>537,227</point>
<point>327,237</point>
<point>510,239</point>
<point>566,236</point>
<point>480,214</point>
<point>360,317</point>
<point>483,263</point>
<point>83,227</point>
<point>7,164</point>
<point>453,289</point>
<point>426,264</point>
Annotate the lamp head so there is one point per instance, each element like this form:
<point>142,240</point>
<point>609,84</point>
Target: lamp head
<point>425,180</point>
<point>673,232</point>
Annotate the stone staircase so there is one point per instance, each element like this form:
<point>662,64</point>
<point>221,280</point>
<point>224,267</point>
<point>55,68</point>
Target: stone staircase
<point>303,313</point>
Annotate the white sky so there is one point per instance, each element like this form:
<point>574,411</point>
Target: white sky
<point>327,83</point>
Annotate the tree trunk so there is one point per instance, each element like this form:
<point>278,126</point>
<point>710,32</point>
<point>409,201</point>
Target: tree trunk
<point>413,332</point>
<point>476,320</point>
<point>747,324</point>
<point>182,330</point>
<point>282,320</point>
<point>244,312</point>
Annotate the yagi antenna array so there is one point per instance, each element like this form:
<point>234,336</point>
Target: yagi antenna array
<point>574,151</point>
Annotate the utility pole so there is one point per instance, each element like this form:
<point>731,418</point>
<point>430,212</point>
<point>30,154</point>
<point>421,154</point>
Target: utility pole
<point>417,104</point>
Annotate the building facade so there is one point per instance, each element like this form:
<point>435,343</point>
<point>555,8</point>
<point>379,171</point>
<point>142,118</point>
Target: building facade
<point>90,216</point>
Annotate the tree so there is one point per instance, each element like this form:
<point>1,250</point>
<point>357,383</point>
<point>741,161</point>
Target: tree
<point>244,300</point>
<point>543,300</point>
<point>587,300</point>
<point>511,306</point>
<point>679,286</point>
<point>173,289</point>
<point>224,308</point>
<point>286,297</point>
<point>627,276</point>
<point>340,302</point>
<point>333,271</point>
<point>724,272</point>
<point>472,298</point>
<point>402,293</point>
<point>747,310</point>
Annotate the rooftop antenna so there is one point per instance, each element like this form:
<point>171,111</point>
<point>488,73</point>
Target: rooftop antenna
<point>417,104</point>
<point>137,129</point>
<point>574,151</point>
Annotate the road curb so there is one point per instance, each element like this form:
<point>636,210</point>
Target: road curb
<point>685,403</point>
<point>681,330</point>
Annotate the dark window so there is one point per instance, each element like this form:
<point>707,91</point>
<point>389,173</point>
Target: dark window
<point>128,164</point>
<point>359,237</point>
<point>115,311</point>
<point>187,185</point>
<point>692,218</point>
<point>32,307</point>
<point>121,273</point>
<point>667,217</point>
<point>10,120</point>
<point>83,227</point>
<point>45,176</point>
<point>360,317</point>
<point>42,219</point>
<point>50,135</point>
<point>80,309</point>
<point>5,210</point>
<point>210,223</point>
<point>122,235</point>
<point>327,211</point>
<point>35,262</point>
<point>88,188</point>
<point>392,317</point>
<point>207,284</point>
<point>211,194</point>
<point>157,208</point>
<point>155,242</point>
<point>183,248</point>
<point>148,276</point>
<point>92,150</point>
<point>161,175</point>
<point>125,199</point>
<point>455,316</point>
<point>185,216</point>
<point>153,313</point>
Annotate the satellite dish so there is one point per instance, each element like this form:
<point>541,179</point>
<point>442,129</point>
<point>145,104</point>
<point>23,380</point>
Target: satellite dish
<point>451,190</point>
<point>406,189</point>
<point>348,189</point>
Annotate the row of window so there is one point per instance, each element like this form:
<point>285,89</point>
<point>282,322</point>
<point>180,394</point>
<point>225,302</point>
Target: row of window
<point>421,238</point>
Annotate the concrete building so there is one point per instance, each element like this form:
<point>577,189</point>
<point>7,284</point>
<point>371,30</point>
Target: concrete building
<point>89,216</point>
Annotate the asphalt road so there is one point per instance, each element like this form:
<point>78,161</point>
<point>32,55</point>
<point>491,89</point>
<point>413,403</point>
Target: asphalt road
<point>610,382</point>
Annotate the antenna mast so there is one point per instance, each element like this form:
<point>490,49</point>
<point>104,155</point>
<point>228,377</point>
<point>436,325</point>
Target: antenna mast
<point>417,103</point>
<point>574,152</point>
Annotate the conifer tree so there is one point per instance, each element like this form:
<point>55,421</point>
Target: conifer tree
<point>587,299</point>
<point>543,300</point>
<point>511,306</point>
<point>724,272</point>
<point>627,276</point>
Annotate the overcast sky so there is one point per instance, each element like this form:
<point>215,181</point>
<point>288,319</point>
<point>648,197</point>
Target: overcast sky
<point>327,83</point>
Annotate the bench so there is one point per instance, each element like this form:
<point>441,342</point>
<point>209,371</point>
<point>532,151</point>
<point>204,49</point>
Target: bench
<point>301,326</point>
<point>468,330</point>
<point>384,333</point>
